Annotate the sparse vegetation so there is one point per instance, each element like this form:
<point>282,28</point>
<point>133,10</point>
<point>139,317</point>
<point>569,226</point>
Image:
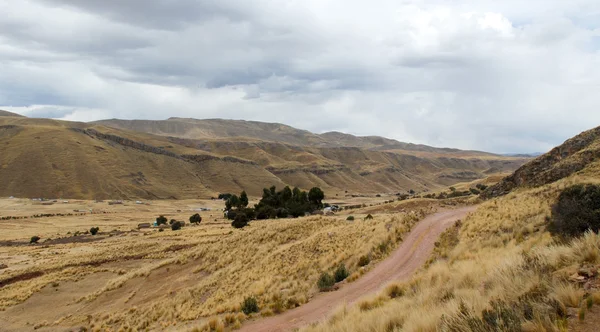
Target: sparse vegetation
<point>94,230</point>
<point>350,218</point>
<point>364,260</point>
<point>34,239</point>
<point>326,282</point>
<point>240,221</point>
<point>250,305</point>
<point>195,219</point>
<point>176,225</point>
<point>341,273</point>
<point>161,220</point>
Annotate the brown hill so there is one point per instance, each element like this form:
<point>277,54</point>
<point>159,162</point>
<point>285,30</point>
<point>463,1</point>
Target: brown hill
<point>7,113</point>
<point>51,158</point>
<point>574,155</point>
<point>211,129</point>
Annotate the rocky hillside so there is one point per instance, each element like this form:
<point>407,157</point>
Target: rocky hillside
<point>564,160</point>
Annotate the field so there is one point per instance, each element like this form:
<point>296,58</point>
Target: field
<point>128,279</point>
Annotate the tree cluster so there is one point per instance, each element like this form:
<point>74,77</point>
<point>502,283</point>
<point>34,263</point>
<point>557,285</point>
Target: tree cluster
<point>274,204</point>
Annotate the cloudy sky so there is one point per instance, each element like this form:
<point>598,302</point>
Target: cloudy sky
<point>501,76</point>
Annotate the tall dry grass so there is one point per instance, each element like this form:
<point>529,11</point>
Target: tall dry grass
<point>501,271</point>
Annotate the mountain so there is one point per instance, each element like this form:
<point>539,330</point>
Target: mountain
<point>574,155</point>
<point>187,158</point>
<point>269,132</point>
<point>7,113</point>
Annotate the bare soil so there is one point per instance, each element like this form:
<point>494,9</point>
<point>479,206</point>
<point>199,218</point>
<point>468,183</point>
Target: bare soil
<point>405,260</point>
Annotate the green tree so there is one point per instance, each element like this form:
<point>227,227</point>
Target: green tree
<point>243,199</point>
<point>232,202</point>
<point>316,196</point>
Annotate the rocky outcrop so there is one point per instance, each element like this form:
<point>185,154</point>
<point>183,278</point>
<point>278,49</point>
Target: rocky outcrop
<point>570,157</point>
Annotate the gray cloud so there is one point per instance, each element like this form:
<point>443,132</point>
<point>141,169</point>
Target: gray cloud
<point>500,76</point>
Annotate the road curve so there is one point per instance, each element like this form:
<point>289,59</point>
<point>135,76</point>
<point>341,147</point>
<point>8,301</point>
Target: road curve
<point>400,265</point>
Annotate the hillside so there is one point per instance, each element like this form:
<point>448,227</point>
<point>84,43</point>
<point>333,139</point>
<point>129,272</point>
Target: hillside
<point>499,269</point>
<point>51,158</point>
<point>7,113</point>
<point>564,160</point>
<point>211,129</point>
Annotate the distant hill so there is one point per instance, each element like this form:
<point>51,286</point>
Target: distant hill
<point>269,132</point>
<point>574,155</point>
<point>186,158</point>
<point>7,113</point>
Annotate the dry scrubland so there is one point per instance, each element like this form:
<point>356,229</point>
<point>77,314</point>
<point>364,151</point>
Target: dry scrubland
<point>195,278</point>
<point>500,259</point>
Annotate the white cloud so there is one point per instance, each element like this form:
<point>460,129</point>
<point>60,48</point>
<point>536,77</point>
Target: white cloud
<point>501,76</point>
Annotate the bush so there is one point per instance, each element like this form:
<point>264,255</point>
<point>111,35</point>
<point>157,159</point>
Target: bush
<point>195,219</point>
<point>369,217</point>
<point>175,226</point>
<point>341,273</point>
<point>34,239</point>
<point>325,282</point>
<point>576,211</point>
<point>350,218</point>
<point>240,221</point>
<point>250,305</point>
<point>481,186</point>
<point>94,230</point>
<point>162,220</point>
<point>474,191</point>
<point>364,260</point>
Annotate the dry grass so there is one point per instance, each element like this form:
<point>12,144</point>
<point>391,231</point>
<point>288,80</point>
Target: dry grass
<point>501,259</point>
<point>151,279</point>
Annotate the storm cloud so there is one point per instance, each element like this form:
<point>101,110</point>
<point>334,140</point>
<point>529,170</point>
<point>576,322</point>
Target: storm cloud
<point>507,76</point>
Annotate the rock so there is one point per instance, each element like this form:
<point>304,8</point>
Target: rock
<point>577,278</point>
<point>587,272</point>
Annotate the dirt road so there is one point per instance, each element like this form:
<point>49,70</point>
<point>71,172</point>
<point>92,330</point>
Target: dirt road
<point>402,263</point>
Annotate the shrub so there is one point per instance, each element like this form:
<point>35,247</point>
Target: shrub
<point>250,305</point>
<point>341,273</point>
<point>240,221</point>
<point>94,230</point>
<point>175,226</point>
<point>161,230</point>
<point>162,220</point>
<point>195,219</point>
<point>350,218</point>
<point>172,221</point>
<point>34,239</point>
<point>325,282</point>
<point>576,211</point>
<point>481,186</point>
<point>474,191</point>
<point>364,260</point>
<point>369,217</point>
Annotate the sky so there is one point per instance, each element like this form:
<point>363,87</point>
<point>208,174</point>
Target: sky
<point>500,76</point>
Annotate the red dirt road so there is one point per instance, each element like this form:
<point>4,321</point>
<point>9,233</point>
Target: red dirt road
<point>402,263</point>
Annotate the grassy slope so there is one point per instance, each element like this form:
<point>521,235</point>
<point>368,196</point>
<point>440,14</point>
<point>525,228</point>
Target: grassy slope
<point>44,158</point>
<point>501,252</point>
